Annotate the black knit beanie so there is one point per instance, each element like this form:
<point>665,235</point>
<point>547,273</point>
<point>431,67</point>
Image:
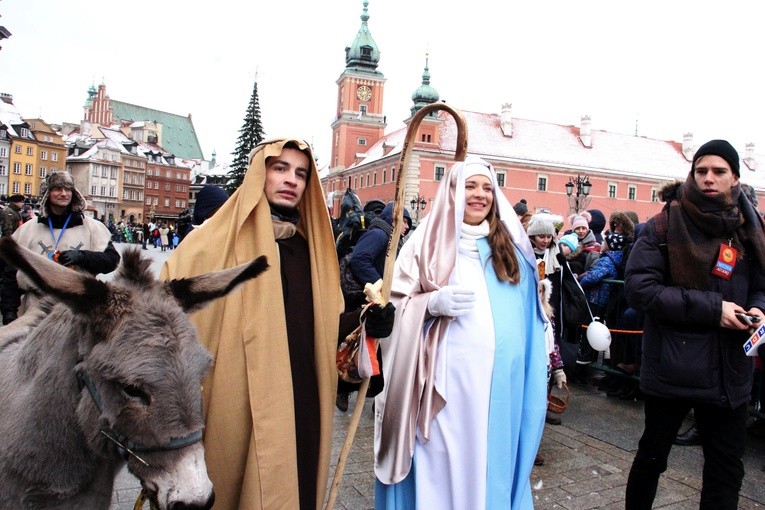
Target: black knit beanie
<point>209,199</point>
<point>719,148</point>
<point>521,207</point>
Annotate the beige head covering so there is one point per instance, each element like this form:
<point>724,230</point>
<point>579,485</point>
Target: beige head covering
<point>249,435</point>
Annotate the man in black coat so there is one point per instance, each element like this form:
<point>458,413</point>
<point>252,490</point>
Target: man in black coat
<point>696,265</point>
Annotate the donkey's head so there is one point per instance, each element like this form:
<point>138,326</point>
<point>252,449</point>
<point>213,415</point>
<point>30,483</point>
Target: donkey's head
<point>140,365</point>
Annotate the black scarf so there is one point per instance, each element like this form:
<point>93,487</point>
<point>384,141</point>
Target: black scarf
<point>288,214</point>
<point>58,220</point>
<point>700,223</point>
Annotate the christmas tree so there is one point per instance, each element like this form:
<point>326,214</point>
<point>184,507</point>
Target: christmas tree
<point>250,135</point>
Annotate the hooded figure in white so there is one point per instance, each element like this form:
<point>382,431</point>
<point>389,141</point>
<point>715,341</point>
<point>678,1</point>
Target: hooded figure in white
<point>461,416</point>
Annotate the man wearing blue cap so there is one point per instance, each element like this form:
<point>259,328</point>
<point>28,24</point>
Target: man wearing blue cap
<point>696,268</point>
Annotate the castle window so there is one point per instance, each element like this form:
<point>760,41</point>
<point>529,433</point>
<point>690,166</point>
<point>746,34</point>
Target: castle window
<point>541,183</point>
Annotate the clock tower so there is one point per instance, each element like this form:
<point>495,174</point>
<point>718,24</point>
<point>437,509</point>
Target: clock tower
<point>359,121</point>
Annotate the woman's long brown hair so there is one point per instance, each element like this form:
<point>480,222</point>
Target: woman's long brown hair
<point>503,256</point>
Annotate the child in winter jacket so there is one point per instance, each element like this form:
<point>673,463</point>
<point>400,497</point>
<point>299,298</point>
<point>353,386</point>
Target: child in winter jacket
<point>587,251</point>
<point>608,267</point>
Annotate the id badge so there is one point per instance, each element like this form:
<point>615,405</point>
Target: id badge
<point>53,255</point>
<point>726,261</point>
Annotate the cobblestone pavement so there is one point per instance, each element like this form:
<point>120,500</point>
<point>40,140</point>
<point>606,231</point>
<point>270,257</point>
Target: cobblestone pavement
<point>587,459</point>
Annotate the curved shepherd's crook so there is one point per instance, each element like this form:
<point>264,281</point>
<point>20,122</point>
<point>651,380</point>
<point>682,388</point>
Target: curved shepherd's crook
<point>460,152</point>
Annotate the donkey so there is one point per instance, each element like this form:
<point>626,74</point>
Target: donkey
<point>104,373</point>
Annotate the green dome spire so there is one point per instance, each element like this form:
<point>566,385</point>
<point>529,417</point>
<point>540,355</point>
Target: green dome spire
<point>425,94</point>
<point>91,94</point>
<point>363,54</point>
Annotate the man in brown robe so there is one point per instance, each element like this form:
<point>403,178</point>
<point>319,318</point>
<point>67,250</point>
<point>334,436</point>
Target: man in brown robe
<point>261,451</point>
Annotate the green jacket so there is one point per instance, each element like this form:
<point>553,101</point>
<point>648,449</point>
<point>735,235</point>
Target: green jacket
<point>11,219</point>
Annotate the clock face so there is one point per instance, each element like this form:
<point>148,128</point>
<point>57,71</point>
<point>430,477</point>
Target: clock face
<point>364,93</point>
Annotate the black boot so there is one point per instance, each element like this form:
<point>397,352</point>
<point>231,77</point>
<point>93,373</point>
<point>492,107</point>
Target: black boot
<point>586,354</point>
<point>690,437</point>
<point>618,390</point>
<point>552,418</point>
<point>341,401</point>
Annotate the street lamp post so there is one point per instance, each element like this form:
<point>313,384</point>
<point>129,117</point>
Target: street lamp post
<point>418,204</point>
<point>578,190</point>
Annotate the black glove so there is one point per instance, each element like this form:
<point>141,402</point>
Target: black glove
<point>71,258</point>
<point>379,321</point>
<point>8,317</point>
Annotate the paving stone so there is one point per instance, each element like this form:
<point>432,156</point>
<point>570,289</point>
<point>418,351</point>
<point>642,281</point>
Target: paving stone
<point>587,460</point>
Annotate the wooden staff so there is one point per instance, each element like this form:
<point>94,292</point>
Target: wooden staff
<point>460,152</point>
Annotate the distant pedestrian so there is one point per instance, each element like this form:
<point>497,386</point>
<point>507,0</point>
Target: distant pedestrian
<point>11,216</point>
<point>163,236</point>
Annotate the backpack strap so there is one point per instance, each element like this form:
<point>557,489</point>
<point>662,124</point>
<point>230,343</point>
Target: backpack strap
<point>661,223</point>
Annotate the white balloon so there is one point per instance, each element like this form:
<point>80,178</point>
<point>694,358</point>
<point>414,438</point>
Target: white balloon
<point>598,336</point>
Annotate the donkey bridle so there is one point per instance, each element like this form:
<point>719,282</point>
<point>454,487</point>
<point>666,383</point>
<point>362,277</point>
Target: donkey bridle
<point>125,446</point>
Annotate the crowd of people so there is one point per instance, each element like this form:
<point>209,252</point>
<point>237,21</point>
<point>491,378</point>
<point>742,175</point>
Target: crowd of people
<point>596,250</point>
<point>489,309</point>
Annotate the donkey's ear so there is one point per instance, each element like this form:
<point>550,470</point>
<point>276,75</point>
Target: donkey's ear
<point>80,291</point>
<point>193,293</point>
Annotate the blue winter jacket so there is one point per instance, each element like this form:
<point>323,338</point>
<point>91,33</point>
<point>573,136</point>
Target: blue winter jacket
<point>368,258</point>
<point>606,268</point>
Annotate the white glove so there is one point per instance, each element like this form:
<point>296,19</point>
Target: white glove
<point>559,376</point>
<point>451,300</point>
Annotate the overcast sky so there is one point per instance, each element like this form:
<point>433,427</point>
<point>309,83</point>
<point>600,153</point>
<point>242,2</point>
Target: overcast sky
<point>671,66</point>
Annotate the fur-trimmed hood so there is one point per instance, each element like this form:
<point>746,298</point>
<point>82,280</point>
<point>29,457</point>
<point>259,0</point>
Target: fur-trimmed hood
<point>628,227</point>
<point>668,192</point>
<point>545,293</point>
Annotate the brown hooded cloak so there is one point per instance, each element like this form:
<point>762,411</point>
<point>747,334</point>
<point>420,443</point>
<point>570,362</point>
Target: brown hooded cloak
<point>249,437</point>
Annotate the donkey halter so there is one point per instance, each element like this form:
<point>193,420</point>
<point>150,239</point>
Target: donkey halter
<point>125,446</point>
